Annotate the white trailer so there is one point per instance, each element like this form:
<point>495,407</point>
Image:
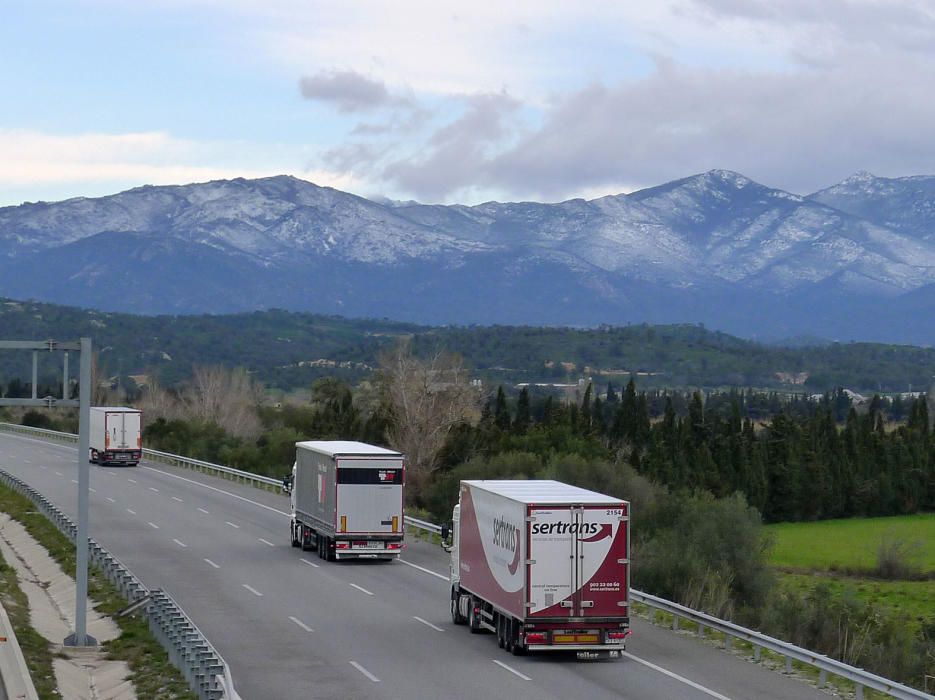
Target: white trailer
<point>347,500</point>
<point>543,565</point>
<point>116,435</point>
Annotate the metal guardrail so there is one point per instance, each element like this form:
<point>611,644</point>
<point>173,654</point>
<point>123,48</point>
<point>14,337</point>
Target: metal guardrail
<point>824,664</point>
<point>205,670</point>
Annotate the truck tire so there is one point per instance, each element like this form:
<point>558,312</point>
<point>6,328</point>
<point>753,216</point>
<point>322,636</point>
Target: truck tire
<point>295,535</point>
<point>514,645</point>
<point>501,630</point>
<point>456,616</point>
<point>474,618</point>
<point>306,541</point>
<point>93,457</point>
<point>329,549</point>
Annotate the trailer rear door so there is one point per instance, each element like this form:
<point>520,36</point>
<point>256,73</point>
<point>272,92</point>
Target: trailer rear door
<point>578,561</point>
<point>369,496</point>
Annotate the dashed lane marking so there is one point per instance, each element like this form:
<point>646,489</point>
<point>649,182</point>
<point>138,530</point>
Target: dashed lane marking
<point>364,671</point>
<point>676,676</point>
<point>266,542</point>
<point>360,588</point>
<point>154,526</point>
<point>179,543</point>
<point>253,590</point>
<point>310,563</point>
<point>512,670</point>
<point>211,563</point>
<point>427,623</point>
<point>301,624</point>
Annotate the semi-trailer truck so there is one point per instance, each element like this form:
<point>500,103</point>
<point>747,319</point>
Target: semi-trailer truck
<point>116,435</point>
<point>347,500</point>
<point>543,565</point>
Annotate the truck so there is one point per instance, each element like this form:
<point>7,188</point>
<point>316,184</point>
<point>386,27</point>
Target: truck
<point>115,435</point>
<point>347,500</point>
<point>543,565</point>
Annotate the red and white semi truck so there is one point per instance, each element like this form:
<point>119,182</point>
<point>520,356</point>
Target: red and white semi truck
<point>543,565</point>
<point>347,500</point>
<point>115,435</point>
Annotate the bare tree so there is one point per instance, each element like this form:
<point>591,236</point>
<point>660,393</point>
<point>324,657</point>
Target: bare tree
<point>428,397</point>
<point>157,402</point>
<point>228,397</point>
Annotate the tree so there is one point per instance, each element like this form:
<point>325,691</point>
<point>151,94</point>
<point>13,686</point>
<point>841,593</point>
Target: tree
<point>523,417</point>
<point>227,397</point>
<point>428,399</point>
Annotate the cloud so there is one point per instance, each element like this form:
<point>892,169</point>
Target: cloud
<point>53,166</point>
<point>347,90</point>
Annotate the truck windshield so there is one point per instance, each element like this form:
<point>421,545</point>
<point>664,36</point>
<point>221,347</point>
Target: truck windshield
<point>348,475</point>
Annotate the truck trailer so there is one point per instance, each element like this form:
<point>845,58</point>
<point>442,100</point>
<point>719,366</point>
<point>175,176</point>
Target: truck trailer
<point>543,565</point>
<point>116,435</point>
<point>347,500</point>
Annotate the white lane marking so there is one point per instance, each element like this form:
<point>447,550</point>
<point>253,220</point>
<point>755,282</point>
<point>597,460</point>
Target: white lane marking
<point>74,481</point>
<point>676,676</point>
<point>131,512</point>
<point>512,670</point>
<point>27,461</point>
<point>176,498</point>
<point>226,493</point>
<point>179,543</point>
<point>92,490</point>
<point>112,473</point>
<point>359,588</point>
<point>423,569</point>
<point>151,488</point>
<point>266,542</point>
<point>111,499</point>
<point>204,511</point>
<point>133,481</point>
<point>310,563</point>
<point>427,623</point>
<point>253,590</point>
<point>42,466</point>
<point>301,624</point>
<point>364,671</point>
<point>154,526</point>
<point>232,524</point>
<point>216,566</point>
<point>59,474</point>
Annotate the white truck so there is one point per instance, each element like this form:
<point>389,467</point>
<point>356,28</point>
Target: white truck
<point>543,565</point>
<point>116,435</point>
<point>347,500</point>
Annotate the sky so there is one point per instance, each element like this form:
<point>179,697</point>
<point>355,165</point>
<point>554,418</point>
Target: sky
<point>455,102</point>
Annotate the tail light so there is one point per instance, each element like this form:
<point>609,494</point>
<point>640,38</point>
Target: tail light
<point>617,636</point>
<point>342,545</point>
<point>536,638</point>
<point>394,545</point>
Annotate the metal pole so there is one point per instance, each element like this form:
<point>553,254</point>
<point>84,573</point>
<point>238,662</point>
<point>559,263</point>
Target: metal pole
<point>35,372</point>
<point>65,378</point>
<point>81,638</point>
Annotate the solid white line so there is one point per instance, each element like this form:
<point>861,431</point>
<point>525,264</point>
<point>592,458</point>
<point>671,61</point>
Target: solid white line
<point>154,526</point>
<point>354,585</point>
<point>253,590</point>
<point>180,544</point>
<point>154,489</point>
<point>676,676</point>
<point>111,499</point>
<point>133,481</point>
<point>232,524</point>
<point>310,563</point>
<point>364,671</point>
<point>226,493</point>
<point>131,512</point>
<point>423,569</point>
<point>301,624</point>
<point>512,670</point>
<point>216,566</point>
<point>204,511</point>
<point>266,542</point>
<point>176,498</point>
<point>429,624</point>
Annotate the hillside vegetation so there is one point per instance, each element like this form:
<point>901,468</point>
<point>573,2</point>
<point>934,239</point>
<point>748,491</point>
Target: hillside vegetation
<point>287,350</point>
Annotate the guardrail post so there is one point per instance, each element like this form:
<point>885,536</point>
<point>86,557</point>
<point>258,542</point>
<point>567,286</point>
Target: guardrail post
<point>757,652</point>
<point>700,630</point>
<point>788,664</point>
<point>727,641</point>
<point>858,691</point>
<point>675,623</point>
<point>822,678</point>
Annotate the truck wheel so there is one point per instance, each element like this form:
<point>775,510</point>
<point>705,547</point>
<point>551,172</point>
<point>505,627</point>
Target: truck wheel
<point>501,630</point>
<point>93,458</point>
<point>296,541</point>
<point>456,616</point>
<point>514,645</point>
<point>329,549</point>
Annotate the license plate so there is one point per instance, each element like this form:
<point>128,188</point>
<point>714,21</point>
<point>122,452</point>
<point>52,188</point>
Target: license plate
<point>123,456</point>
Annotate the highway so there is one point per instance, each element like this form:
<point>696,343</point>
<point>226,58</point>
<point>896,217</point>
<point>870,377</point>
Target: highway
<point>293,626</point>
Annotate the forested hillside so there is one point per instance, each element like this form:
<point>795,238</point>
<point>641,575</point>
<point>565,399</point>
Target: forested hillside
<point>287,350</point>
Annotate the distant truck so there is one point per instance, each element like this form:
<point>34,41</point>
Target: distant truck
<point>543,565</point>
<point>347,500</point>
<point>116,435</point>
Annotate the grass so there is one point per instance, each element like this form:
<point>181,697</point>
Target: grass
<point>850,545</point>
<point>152,674</point>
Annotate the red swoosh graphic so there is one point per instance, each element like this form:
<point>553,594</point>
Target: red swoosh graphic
<point>605,532</point>
<point>515,563</point>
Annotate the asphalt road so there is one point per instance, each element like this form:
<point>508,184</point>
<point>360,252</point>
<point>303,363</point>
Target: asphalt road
<point>293,626</point>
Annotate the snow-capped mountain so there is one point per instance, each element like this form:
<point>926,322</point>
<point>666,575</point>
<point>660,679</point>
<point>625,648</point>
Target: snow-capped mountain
<point>716,248</point>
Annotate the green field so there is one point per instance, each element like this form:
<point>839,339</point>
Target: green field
<point>916,599</point>
<point>851,544</point>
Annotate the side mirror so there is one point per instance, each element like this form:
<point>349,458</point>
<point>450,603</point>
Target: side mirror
<point>287,483</point>
<point>446,531</point>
